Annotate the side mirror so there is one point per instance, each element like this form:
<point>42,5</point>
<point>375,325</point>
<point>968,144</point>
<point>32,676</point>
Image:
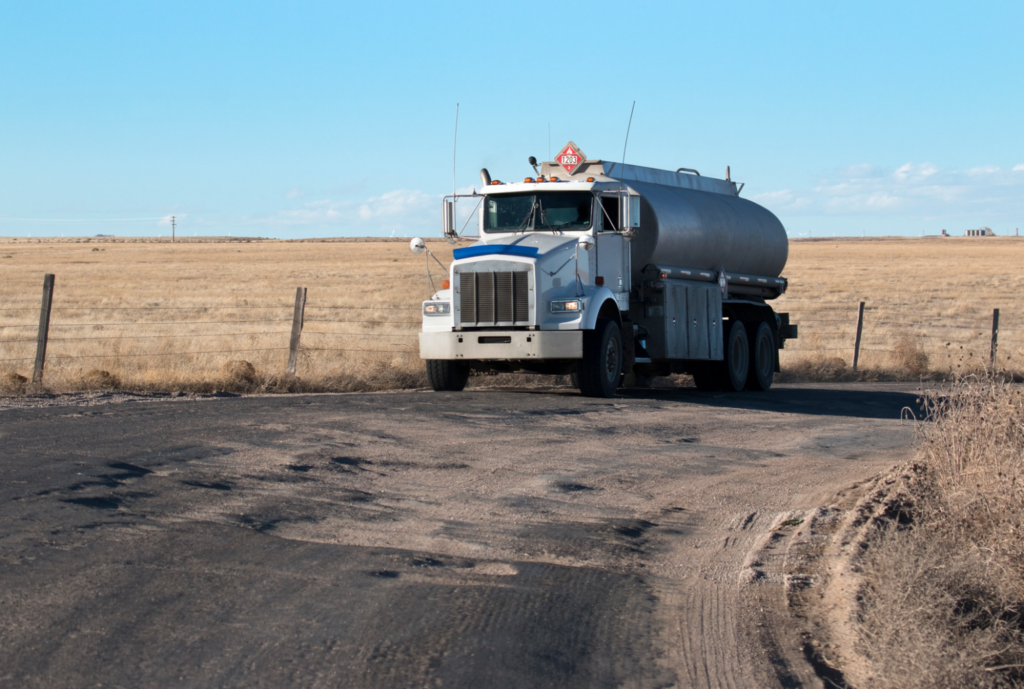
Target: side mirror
<point>448,219</point>
<point>630,212</point>
<point>585,243</point>
<point>417,245</point>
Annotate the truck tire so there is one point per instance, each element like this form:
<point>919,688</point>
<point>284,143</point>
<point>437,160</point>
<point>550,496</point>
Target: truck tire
<point>733,371</point>
<point>600,370</point>
<point>447,376</point>
<point>762,358</point>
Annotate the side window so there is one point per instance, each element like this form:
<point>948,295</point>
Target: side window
<point>610,213</point>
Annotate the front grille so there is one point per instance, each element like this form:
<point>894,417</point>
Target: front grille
<point>495,298</point>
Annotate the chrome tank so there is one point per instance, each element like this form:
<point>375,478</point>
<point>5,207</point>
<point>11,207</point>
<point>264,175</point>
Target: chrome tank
<point>703,230</point>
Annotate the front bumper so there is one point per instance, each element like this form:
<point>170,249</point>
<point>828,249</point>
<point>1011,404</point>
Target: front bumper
<point>484,345</point>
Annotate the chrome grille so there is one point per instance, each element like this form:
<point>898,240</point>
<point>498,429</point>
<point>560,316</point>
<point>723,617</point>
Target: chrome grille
<point>467,289</point>
<point>495,298</point>
<point>503,304</point>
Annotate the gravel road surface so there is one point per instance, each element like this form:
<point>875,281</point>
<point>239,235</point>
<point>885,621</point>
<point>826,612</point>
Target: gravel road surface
<point>491,538</point>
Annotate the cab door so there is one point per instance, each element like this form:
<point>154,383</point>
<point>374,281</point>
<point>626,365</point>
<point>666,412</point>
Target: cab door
<point>612,249</point>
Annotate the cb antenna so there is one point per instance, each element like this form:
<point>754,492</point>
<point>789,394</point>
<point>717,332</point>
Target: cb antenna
<point>455,146</point>
<point>627,133</point>
<point>455,150</point>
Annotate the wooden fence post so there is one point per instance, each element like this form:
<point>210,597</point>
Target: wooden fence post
<point>995,339</point>
<point>44,328</point>
<point>860,329</point>
<point>300,312</point>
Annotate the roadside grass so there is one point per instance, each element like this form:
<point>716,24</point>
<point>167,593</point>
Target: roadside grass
<point>941,602</point>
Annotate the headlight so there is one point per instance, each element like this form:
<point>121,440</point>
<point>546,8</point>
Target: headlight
<point>567,306</point>
<point>436,308</point>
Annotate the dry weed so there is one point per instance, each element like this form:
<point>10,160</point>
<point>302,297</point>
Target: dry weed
<point>931,615</point>
<point>97,379</point>
<point>908,355</point>
<point>943,575</point>
<point>13,384</point>
<point>975,451</point>
<point>818,369</point>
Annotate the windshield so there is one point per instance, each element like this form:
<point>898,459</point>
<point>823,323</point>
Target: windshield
<point>537,212</point>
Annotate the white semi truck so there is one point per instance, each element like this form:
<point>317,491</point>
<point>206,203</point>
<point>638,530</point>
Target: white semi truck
<point>598,270</point>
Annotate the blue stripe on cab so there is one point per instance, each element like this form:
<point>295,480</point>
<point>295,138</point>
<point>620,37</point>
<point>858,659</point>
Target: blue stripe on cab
<point>488,249</point>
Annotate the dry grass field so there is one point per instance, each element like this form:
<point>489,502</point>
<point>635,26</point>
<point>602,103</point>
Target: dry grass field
<point>150,315</point>
<point>161,316</point>
<point>929,305</point>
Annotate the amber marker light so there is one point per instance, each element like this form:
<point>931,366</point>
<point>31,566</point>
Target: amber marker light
<point>445,284</point>
<point>495,182</point>
<point>553,179</point>
<point>590,179</point>
<point>528,179</point>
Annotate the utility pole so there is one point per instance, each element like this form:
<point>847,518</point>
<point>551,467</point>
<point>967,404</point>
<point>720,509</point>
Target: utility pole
<point>172,230</point>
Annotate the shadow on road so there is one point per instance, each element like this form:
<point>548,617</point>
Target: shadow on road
<point>850,400</point>
<point>837,401</point>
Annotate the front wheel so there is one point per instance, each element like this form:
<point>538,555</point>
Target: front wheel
<point>447,376</point>
<point>600,370</point>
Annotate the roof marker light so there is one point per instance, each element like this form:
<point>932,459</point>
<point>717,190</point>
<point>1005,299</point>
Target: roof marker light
<point>528,179</point>
<point>590,179</point>
<point>494,182</point>
<point>552,179</point>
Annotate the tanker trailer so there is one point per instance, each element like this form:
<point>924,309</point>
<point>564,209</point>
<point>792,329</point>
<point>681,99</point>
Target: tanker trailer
<point>604,271</point>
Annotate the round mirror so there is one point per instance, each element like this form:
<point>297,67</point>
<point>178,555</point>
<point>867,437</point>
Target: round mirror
<point>417,245</point>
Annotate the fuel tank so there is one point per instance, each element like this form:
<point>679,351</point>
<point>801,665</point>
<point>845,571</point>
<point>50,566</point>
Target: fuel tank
<point>698,229</point>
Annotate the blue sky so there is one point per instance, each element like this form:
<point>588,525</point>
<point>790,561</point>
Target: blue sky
<point>311,119</point>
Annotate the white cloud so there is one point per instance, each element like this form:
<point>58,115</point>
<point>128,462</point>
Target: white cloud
<point>984,170</point>
<point>784,197</point>
<point>910,171</point>
<point>981,195</point>
<point>400,212</point>
<point>166,220</point>
<point>401,202</point>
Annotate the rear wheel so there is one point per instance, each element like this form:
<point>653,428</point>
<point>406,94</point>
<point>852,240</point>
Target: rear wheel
<point>734,369</point>
<point>446,375</point>
<point>762,359</point>
<point>600,370</point>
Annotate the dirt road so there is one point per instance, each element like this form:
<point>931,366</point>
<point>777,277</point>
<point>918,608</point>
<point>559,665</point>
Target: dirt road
<point>487,538</point>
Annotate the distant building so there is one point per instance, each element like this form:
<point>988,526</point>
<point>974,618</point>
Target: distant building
<point>983,232</point>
